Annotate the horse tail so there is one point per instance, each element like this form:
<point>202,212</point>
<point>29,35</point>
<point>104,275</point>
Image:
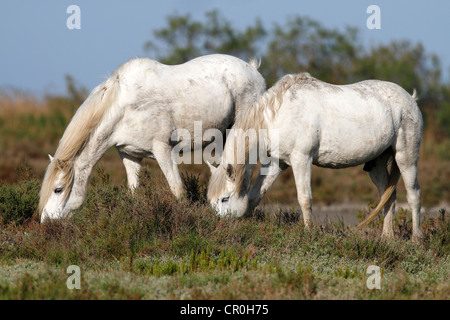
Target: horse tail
<point>394,176</point>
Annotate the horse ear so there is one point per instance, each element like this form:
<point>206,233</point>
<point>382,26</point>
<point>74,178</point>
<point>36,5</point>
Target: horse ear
<point>211,167</point>
<point>51,158</point>
<point>230,171</point>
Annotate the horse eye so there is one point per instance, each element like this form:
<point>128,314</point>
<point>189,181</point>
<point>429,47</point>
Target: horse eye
<point>58,190</point>
<point>225,199</point>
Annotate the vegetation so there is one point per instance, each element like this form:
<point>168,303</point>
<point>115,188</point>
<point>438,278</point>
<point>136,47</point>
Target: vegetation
<point>152,246</point>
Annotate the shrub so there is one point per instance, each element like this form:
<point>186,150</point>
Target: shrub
<point>19,201</point>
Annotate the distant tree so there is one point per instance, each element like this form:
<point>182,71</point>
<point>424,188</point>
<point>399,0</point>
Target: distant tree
<point>303,44</point>
<point>178,42</point>
<point>403,63</point>
<point>184,39</point>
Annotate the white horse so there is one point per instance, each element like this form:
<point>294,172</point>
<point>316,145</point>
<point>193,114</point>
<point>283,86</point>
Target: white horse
<point>136,110</point>
<point>372,122</point>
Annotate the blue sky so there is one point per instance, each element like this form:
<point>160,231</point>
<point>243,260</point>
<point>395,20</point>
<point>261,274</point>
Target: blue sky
<point>37,50</point>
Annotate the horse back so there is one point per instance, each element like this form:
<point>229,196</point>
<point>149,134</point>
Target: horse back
<point>346,125</point>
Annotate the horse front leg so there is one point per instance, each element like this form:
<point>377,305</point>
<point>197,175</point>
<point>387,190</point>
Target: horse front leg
<point>268,173</point>
<point>132,167</point>
<point>302,169</point>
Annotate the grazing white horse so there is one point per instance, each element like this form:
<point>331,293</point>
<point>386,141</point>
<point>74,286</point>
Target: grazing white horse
<point>333,126</point>
<point>136,110</point>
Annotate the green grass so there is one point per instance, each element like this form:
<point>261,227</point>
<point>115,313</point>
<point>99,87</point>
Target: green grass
<point>151,246</point>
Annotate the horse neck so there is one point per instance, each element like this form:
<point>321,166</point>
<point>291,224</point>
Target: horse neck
<point>242,153</point>
<point>248,133</point>
<point>95,147</point>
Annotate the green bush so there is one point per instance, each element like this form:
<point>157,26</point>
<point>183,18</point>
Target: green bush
<point>19,201</point>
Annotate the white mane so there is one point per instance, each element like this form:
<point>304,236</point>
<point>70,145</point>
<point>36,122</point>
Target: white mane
<point>77,133</point>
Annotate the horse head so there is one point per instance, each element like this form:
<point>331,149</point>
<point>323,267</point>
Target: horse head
<point>228,194</point>
<point>57,197</point>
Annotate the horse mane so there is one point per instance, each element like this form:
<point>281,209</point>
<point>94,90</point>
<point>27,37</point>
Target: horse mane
<point>77,133</point>
<point>269,102</point>
<point>256,118</point>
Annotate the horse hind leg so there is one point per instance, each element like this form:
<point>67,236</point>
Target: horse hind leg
<point>302,169</point>
<point>163,155</point>
<point>407,164</point>
<point>378,172</point>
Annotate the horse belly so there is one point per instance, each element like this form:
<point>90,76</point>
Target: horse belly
<point>353,143</point>
<point>210,108</point>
